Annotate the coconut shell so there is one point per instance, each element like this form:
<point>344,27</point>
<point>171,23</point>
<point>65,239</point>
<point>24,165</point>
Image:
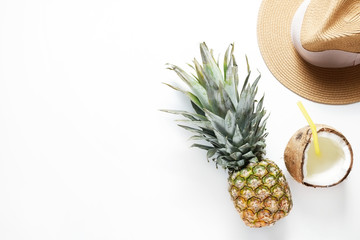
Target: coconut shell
<point>294,154</point>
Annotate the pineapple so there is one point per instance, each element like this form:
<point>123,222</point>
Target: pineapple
<point>233,125</point>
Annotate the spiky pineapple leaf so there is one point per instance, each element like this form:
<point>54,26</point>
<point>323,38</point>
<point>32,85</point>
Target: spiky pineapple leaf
<point>237,138</point>
<point>210,153</point>
<point>232,122</point>
<point>227,56</point>
<point>197,123</point>
<point>211,68</point>
<point>202,146</point>
<point>217,122</point>
<point>235,155</point>
<point>189,115</point>
<point>221,138</point>
<point>190,95</point>
<point>200,75</point>
<point>194,85</point>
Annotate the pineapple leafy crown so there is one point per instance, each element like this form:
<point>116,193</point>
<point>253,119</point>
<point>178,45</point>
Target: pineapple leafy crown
<point>232,123</point>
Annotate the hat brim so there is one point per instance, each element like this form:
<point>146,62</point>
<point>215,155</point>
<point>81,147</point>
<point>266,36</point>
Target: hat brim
<point>323,85</point>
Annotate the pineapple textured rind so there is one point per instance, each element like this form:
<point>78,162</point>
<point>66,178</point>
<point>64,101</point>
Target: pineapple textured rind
<point>260,193</point>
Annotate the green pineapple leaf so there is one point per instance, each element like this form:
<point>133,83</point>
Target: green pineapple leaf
<point>233,122</point>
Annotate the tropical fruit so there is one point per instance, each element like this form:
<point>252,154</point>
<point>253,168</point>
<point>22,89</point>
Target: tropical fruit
<point>329,168</point>
<point>231,125</point>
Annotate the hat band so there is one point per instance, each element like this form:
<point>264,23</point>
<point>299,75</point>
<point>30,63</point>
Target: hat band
<point>328,58</point>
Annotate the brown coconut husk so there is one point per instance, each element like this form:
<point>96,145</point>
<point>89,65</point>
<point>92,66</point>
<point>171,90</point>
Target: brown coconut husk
<point>294,154</point>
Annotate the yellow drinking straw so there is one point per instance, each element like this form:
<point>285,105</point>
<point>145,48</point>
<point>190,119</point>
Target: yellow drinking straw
<point>312,127</point>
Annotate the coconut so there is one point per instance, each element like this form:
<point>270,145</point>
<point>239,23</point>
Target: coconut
<point>330,168</point>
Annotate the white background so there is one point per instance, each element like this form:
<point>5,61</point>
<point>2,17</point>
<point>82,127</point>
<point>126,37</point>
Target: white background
<point>85,153</point>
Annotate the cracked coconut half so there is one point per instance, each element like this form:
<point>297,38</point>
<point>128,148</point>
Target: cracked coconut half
<point>329,168</point>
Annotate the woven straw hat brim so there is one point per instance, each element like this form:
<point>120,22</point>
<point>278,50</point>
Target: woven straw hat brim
<point>323,85</point>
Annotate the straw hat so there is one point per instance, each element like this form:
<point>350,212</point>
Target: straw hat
<point>313,47</point>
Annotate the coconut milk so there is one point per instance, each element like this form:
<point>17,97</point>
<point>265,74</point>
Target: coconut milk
<point>332,155</point>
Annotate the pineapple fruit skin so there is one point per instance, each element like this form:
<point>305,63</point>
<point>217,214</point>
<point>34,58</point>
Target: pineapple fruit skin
<point>260,193</point>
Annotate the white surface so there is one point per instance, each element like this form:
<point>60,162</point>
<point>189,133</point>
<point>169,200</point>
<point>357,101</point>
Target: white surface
<point>85,153</point>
